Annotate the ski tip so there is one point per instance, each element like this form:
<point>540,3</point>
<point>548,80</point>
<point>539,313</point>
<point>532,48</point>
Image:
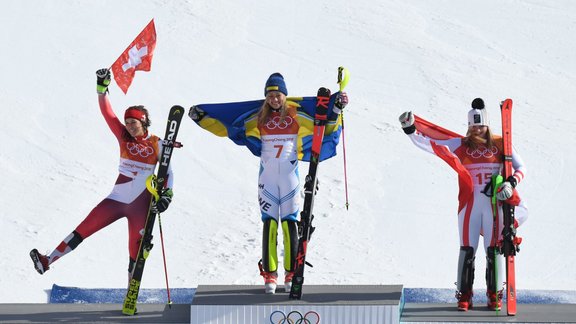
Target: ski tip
<point>177,109</point>
<point>506,103</point>
<point>324,92</point>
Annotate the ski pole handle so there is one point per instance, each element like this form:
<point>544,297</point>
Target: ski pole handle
<point>151,186</point>
<point>343,77</point>
<point>497,181</point>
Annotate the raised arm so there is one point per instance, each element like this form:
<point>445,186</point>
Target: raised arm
<point>102,82</point>
<point>421,141</point>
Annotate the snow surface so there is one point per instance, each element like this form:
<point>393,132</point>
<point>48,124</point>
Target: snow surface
<point>59,159</point>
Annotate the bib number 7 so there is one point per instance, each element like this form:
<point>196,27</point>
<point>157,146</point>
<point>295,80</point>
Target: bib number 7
<point>279,148</point>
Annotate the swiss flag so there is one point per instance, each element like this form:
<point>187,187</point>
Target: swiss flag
<point>137,57</point>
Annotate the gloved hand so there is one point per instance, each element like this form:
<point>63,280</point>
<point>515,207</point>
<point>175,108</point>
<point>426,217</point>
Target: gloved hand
<point>407,122</point>
<point>196,114</point>
<point>505,191</point>
<point>163,202</point>
<point>341,102</point>
<point>513,181</point>
<point>102,80</point>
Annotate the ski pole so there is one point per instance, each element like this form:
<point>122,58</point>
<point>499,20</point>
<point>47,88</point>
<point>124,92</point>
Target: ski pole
<point>497,181</point>
<point>344,157</point>
<point>151,185</point>
<point>343,77</point>
<point>164,259</point>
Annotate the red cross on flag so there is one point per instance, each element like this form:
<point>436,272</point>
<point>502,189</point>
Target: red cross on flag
<point>137,57</point>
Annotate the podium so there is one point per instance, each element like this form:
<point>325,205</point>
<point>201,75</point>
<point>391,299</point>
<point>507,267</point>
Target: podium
<point>235,304</point>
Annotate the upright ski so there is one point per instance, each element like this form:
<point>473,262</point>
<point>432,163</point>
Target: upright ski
<point>305,228</point>
<point>509,243</point>
<point>174,120</point>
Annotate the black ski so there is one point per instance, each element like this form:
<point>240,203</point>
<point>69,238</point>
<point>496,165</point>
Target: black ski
<point>305,228</point>
<point>169,143</point>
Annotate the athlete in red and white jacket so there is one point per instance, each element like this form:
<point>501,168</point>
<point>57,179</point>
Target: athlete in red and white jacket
<point>476,157</point>
<point>139,153</point>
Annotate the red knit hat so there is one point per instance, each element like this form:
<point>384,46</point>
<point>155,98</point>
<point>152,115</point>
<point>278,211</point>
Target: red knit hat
<point>135,113</point>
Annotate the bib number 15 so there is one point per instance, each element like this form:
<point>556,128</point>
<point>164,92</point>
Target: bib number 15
<point>484,178</point>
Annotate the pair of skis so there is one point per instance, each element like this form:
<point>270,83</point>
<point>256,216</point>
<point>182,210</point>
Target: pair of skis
<point>305,228</point>
<point>169,143</point>
<point>509,244</point>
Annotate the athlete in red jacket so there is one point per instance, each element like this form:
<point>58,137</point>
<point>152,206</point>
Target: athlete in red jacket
<point>139,153</point>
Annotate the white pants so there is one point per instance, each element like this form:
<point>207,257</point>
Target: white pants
<point>478,219</point>
<point>278,190</point>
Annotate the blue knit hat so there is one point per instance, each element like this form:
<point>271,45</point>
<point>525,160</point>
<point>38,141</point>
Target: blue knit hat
<point>275,83</point>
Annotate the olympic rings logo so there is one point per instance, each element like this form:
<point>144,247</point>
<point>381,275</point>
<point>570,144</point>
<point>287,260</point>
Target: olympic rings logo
<point>139,149</point>
<point>276,122</point>
<point>294,317</point>
<point>482,151</point>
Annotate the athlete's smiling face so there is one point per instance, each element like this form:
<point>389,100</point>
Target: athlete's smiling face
<point>479,131</point>
<point>275,99</point>
<point>134,127</point>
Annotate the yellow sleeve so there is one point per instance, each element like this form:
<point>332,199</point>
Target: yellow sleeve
<point>306,123</point>
<point>251,126</point>
<point>213,126</point>
<point>333,125</point>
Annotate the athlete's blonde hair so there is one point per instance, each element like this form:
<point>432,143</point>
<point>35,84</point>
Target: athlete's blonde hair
<point>266,110</point>
<point>473,141</point>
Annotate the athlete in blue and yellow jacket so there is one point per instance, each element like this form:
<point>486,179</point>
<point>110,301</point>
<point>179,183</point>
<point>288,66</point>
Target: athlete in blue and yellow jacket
<point>279,130</point>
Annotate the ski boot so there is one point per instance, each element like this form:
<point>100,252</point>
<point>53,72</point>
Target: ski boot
<point>464,300</point>
<point>40,261</point>
<point>270,282</point>
<point>269,279</point>
<point>494,300</point>
<point>464,291</point>
<point>288,275</point>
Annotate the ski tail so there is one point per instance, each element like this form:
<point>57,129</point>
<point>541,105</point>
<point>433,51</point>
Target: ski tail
<point>305,227</point>
<point>168,145</point>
